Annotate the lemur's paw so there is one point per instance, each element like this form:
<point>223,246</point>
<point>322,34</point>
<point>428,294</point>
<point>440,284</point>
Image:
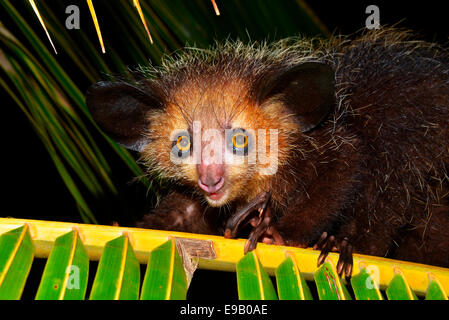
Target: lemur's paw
<point>327,243</point>
<point>263,230</point>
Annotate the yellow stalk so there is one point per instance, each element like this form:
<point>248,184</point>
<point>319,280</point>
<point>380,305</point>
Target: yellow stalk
<point>66,275</point>
<point>217,12</point>
<point>172,265</point>
<point>122,267</point>
<point>226,252</point>
<point>36,11</point>
<point>97,26</point>
<point>142,18</point>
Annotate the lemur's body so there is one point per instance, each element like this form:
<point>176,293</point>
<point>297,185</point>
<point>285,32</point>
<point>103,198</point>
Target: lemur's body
<point>363,142</point>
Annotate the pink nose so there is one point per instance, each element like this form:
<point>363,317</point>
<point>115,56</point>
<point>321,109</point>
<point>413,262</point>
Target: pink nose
<point>211,177</point>
<point>211,186</point>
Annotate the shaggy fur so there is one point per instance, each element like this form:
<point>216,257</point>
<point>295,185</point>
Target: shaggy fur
<point>375,171</point>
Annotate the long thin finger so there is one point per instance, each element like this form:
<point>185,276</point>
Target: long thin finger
<point>345,260</point>
<point>255,235</point>
<point>276,236</point>
<point>233,224</point>
<point>327,248</point>
<point>349,263</point>
<point>321,241</point>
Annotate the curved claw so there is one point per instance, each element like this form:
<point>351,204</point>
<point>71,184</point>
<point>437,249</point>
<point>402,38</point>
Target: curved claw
<point>321,241</point>
<point>234,224</point>
<point>326,248</point>
<point>345,260</point>
<point>263,228</point>
<point>256,233</point>
<point>327,244</point>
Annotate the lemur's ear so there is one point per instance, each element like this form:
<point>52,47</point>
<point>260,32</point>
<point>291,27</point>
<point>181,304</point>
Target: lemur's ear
<point>306,89</point>
<point>120,110</point>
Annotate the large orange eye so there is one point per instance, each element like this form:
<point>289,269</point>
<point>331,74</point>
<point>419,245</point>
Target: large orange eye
<point>239,141</point>
<point>183,143</point>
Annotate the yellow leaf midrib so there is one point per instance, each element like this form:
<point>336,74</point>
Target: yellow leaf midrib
<point>13,254</point>
<point>66,274</point>
<point>171,271</point>
<point>122,269</point>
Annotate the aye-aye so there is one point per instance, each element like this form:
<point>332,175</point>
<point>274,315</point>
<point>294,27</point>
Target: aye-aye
<point>338,144</point>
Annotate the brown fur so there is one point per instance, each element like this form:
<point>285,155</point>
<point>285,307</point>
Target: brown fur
<point>375,171</point>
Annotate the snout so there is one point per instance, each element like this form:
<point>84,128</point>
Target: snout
<point>211,177</point>
<point>211,186</point>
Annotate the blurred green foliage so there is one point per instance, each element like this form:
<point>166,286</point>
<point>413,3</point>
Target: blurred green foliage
<point>49,88</point>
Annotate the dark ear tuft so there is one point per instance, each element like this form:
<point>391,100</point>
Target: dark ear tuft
<point>308,89</point>
<point>120,110</point>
